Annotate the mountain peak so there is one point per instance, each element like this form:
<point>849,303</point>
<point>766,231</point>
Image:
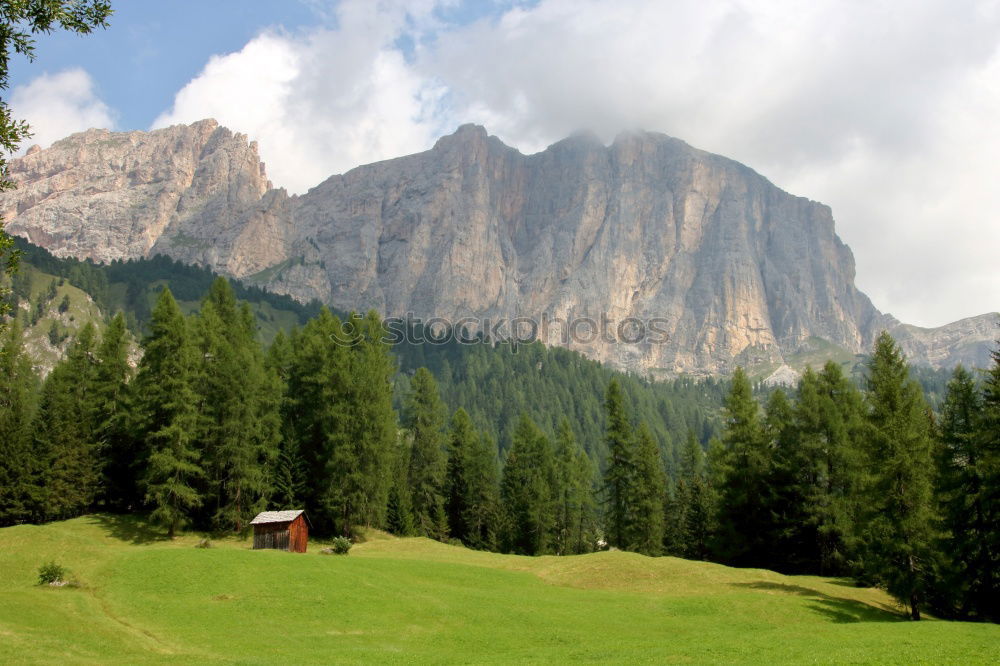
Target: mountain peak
<point>732,270</point>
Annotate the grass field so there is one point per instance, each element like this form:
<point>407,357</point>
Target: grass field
<point>142,599</point>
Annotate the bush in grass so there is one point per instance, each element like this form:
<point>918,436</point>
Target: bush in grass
<point>339,546</point>
<point>50,573</point>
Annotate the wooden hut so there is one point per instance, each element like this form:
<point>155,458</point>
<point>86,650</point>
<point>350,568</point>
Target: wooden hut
<point>281,530</point>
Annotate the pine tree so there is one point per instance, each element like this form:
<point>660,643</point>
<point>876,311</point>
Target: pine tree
<point>646,496</point>
<point>19,471</point>
<point>64,438</point>
<point>166,417</point>
<point>621,465</point>
<point>425,421</point>
<point>744,520</point>
<point>526,491</point>
<point>898,533</point>
<point>110,418</point>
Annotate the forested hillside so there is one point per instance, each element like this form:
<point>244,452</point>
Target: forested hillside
<point>494,384</point>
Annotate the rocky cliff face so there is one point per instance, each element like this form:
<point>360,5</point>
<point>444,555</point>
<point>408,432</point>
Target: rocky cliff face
<point>726,266</point>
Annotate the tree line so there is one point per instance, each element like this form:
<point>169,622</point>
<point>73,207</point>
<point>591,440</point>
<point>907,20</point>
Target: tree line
<point>863,483</point>
<point>211,427</point>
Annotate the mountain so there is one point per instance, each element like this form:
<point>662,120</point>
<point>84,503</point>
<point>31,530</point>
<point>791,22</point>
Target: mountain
<point>727,267</point>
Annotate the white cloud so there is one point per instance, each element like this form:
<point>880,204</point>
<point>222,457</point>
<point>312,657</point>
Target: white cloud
<point>56,105</point>
<point>884,110</point>
<point>320,102</point>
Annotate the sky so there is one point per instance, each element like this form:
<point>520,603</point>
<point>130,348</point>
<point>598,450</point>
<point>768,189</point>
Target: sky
<point>887,111</point>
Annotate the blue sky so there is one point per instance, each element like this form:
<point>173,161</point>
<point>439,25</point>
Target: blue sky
<point>843,103</point>
<point>152,49</point>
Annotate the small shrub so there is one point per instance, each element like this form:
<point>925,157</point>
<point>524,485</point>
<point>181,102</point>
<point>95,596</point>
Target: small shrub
<point>455,542</point>
<point>340,545</point>
<point>51,573</point>
<point>204,543</point>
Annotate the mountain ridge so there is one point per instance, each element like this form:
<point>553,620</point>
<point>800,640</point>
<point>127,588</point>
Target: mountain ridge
<point>739,271</point>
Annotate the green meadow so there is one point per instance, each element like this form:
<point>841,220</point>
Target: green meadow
<point>143,599</point>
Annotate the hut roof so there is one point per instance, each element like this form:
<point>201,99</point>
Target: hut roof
<point>275,517</point>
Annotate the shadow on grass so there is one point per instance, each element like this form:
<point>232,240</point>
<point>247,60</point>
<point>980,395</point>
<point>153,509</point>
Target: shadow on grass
<point>130,528</point>
<point>836,609</point>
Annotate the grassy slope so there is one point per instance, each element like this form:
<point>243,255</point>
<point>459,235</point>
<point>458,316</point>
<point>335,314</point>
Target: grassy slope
<point>405,600</point>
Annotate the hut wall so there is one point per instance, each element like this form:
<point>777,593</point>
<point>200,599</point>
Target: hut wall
<point>298,535</point>
<point>271,535</point>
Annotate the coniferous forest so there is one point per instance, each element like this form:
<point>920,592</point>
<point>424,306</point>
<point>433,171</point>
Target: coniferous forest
<point>528,450</point>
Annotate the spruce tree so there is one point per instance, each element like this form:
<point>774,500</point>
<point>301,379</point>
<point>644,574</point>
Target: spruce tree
<point>689,515</point>
<point>967,480</point>
<point>398,518</point>
<point>425,418</point>
<point>462,439</point>
<point>646,496</point>
<point>744,519</point>
<point>897,534</point>
<point>984,592</point>
<point>240,402</point>
<point>526,491</point>
<point>166,416</point>
<point>621,465</point>
<point>482,503</point>
<point>64,436</point>
<point>575,509</point>
<point>110,418</point>
<point>316,409</point>
<point>19,469</point>
<point>288,483</point>
<point>359,423</point>
<point>398,515</point>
